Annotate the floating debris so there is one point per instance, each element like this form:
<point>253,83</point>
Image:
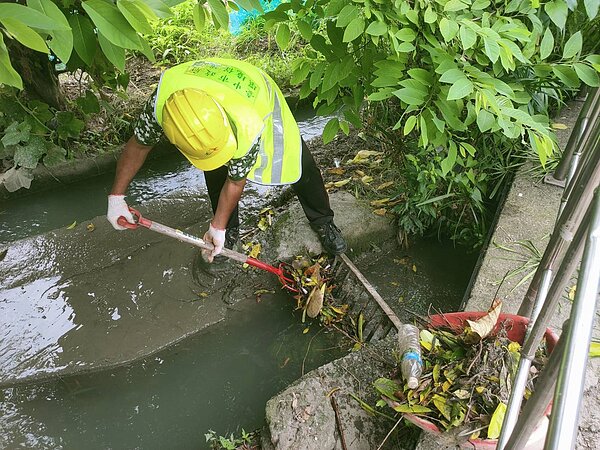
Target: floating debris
<point>466,380</point>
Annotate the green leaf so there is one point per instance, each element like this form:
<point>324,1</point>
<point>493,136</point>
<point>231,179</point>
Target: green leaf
<point>115,54</point>
<point>405,47</point>
<point>199,16</point>
<point>25,35</point>
<point>88,103</point>
<point>485,120</point>
<point>423,76</point>
<point>442,406</point>
<point>406,34</point>
<point>547,44</point>
<point>219,13</point>
<point>587,74</point>
<point>28,155</point>
<point>15,133</point>
<point>300,73</point>
<point>54,156</point>
<point>345,127</point>
<point>410,124</point>
<point>159,8</point>
<point>68,125</point>
<point>30,17</point>
<point>454,5</point>
<point>430,15</point>
<point>377,28</point>
<point>330,130</point>
<point>591,7</point>
<point>147,50</point>
<point>449,161</point>
<point>410,96</point>
<point>573,46</point>
<point>354,29</point>
<point>448,28</point>
<point>382,94</point>
<point>469,148</point>
<point>245,4</point>
<point>346,15</point>
<point>329,78</point>
<point>460,89</point>
<point>283,36</point>
<point>557,10</point>
<point>567,75</point>
<point>387,387</point>
<point>112,24</point>
<point>8,75</point>
<point>334,7</point>
<point>453,75</point>
<point>492,49</point>
<point>84,38</point>
<point>305,29</point>
<point>496,421</point>
<point>135,15</point>
<point>594,349</point>
<point>62,40</point>
<point>468,37</point>
<point>594,60</point>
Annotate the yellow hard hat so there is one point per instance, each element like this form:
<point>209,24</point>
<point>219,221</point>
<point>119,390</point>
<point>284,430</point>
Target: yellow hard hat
<point>199,127</point>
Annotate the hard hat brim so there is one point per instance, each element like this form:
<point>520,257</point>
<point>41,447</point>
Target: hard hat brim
<point>218,159</point>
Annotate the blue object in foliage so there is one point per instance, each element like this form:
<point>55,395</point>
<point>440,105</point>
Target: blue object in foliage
<point>237,19</point>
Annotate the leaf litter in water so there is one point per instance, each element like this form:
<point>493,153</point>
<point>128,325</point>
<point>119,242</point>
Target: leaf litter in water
<point>466,382</point>
<point>315,280</point>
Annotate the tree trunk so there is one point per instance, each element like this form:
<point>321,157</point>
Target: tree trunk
<point>40,81</point>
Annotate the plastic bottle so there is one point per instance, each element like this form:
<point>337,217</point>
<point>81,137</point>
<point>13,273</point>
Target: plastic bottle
<point>409,348</point>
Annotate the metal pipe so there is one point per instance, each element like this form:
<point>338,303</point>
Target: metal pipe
<point>540,399</point>
<point>513,409</point>
<point>582,187</point>
<point>586,113</point>
<point>562,431</point>
<point>543,292</point>
<point>535,330</point>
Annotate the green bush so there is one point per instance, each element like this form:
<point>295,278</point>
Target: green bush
<point>468,85</point>
<point>182,38</point>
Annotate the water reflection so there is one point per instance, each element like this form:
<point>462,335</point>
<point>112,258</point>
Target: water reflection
<point>34,316</point>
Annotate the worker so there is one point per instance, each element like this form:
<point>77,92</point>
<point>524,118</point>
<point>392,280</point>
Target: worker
<point>230,120</point>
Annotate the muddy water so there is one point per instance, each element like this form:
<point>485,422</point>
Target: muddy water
<point>217,380</point>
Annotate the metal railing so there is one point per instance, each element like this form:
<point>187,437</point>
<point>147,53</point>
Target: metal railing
<point>577,231</point>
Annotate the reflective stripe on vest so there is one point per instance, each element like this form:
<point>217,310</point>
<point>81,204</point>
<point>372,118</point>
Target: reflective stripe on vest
<point>262,113</point>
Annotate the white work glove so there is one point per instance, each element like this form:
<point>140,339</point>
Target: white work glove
<point>117,207</point>
<point>215,237</point>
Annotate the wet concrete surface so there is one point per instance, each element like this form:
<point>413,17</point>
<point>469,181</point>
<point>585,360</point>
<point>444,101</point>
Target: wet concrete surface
<point>77,299</point>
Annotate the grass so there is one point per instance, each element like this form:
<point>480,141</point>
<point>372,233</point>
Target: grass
<point>176,40</point>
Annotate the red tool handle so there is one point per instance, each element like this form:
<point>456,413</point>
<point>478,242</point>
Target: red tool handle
<point>286,280</point>
<point>139,220</point>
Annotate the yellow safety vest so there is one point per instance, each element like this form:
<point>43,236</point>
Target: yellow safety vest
<point>255,105</point>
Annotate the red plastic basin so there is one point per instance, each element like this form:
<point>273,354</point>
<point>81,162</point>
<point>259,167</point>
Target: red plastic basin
<point>516,327</point>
